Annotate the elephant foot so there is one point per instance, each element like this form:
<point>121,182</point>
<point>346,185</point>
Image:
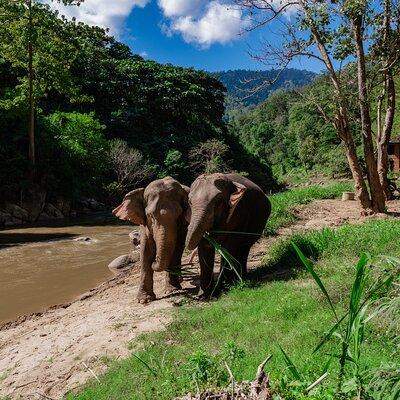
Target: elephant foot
<point>169,289</point>
<point>144,297</point>
<point>204,295</point>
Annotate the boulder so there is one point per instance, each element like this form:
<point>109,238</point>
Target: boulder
<point>17,212</point>
<point>33,200</point>
<point>134,236</point>
<point>85,205</point>
<point>85,239</point>
<point>6,219</point>
<point>44,217</point>
<point>52,211</point>
<point>64,206</point>
<point>124,263</point>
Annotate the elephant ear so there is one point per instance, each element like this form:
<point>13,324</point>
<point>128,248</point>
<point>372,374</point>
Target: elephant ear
<point>235,198</point>
<point>132,208</point>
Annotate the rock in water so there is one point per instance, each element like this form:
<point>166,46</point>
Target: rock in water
<point>85,239</point>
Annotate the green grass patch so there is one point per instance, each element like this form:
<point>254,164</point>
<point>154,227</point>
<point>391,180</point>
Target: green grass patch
<point>283,202</point>
<point>246,324</point>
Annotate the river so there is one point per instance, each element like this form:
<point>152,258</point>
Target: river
<point>45,266</point>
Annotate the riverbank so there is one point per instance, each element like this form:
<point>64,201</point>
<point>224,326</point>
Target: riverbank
<point>49,353</point>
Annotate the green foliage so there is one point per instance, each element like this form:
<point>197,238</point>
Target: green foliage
<point>160,111</point>
<point>209,157</point>
<point>288,132</point>
<point>53,56</point>
<point>73,144</point>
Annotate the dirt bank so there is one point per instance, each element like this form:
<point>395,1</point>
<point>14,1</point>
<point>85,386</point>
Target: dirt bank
<point>46,355</point>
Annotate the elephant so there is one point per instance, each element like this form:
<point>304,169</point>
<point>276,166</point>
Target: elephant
<point>227,203</point>
<point>159,209</point>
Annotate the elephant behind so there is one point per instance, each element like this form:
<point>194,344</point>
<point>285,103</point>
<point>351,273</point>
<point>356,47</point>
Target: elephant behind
<point>159,210</point>
<point>234,205</point>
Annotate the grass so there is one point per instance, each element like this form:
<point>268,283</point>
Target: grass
<point>282,203</point>
<point>246,324</point>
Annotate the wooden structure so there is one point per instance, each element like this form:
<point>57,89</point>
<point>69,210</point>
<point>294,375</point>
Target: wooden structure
<point>394,155</point>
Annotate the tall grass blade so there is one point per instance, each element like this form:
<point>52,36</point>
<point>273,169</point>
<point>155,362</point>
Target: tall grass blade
<point>145,364</point>
<point>330,333</point>
<point>292,368</point>
<point>309,267</point>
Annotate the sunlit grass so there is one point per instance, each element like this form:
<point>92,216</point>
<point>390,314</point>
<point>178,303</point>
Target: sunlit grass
<point>282,203</point>
<point>257,320</point>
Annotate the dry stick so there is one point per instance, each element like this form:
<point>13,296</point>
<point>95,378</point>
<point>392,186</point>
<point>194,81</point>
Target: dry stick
<point>316,383</point>
<point>232,379</point>
<point>256,385</point>
<point>91,371</point>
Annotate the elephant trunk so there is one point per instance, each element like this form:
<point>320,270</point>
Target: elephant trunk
<point>200,222</point>
<point>165,246</point>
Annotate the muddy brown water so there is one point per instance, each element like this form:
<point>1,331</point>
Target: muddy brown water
<point>44,266</point>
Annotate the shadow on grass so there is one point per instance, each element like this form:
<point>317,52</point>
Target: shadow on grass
<point>282,263</point>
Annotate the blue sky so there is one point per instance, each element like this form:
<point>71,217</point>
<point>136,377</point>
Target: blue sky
<point>205,34</point>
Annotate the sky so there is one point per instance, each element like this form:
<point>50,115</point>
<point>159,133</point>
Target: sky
<point>204,34</point>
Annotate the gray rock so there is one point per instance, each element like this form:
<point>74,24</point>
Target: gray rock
<point>134,236</point>
<point>85,239</point>
<point>33,200</point>
<point>52,211</point>
<point>64,206</point>
<point>17,212</point>
<point>44,217</point>
<point>124,263</point>
<point>6,219</point>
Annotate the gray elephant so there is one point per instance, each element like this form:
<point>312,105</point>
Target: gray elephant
<point>159,210</point>
<point>229,203</point>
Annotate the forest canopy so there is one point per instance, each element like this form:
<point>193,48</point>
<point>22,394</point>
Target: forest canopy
<point>90,90</point>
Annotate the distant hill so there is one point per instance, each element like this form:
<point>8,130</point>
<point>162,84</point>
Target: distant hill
<point>241,84</point>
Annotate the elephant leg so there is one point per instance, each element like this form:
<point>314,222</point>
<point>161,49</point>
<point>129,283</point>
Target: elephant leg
<point>173,278</point>
<point>206,254</point>
<point>240,251</point>
<point>242,258</point>
<point>147,256</point>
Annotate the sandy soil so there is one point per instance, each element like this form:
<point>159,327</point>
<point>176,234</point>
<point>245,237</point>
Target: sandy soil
<point>45,355</point>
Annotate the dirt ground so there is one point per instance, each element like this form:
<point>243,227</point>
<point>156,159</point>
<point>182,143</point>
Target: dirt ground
<point>44,356</point>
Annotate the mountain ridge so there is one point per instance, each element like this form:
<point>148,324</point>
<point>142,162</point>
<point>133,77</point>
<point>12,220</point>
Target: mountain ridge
<point>246,87</point>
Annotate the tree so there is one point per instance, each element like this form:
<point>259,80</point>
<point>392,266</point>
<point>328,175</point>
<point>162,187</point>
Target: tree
<point>34,40</point>
<point>129,166</point>
<point>335,33</point>
<point>209,157</point>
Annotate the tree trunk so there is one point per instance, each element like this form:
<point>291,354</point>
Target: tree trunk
<point>389,90</point>
<point>341,122</point>
<point>377,194</point>
<point>31,100</point>
<point>384,135</point>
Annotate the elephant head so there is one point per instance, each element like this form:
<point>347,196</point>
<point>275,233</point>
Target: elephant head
<point>160,207</point>
<point>213,199</point>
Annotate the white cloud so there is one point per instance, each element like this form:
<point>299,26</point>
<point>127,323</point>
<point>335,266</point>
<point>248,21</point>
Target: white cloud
<point>218,23</point>
<point>105,13</point>
<point>177,8</point>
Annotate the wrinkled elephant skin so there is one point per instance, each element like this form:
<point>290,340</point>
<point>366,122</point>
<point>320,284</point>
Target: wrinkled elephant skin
<point>159,210</point>
<point>230,203</point>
